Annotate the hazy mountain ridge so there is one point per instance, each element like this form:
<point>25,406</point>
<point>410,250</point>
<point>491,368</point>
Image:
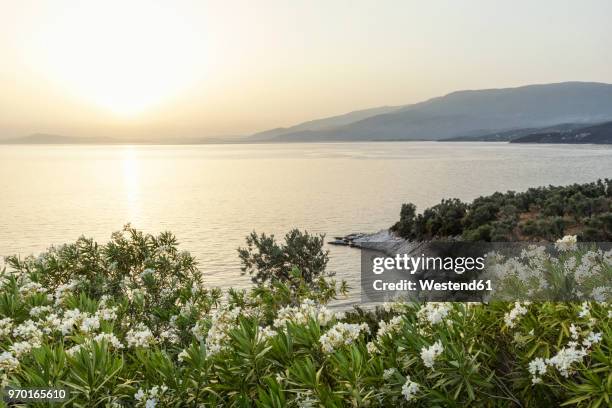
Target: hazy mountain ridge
<point>325,123</point>
<point>46,138</point>
<point>474,112</point>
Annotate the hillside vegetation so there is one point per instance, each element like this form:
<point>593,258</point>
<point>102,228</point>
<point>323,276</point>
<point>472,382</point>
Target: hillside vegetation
<point>538,214</point>
<point>597,134</point>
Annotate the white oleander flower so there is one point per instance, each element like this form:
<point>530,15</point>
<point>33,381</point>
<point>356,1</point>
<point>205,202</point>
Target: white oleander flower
<point>517,311</point>
<point>410,389</point>
<point>51,323</point>
<point>71,318</point>
<point>62,291</point>
<point>74,349</point>
<point>600,294</point>
<point>222,321</point>
<point>110,338</point>
<point>567,243</point>
<point>265,333</point>
<point>587,269</point>
<point>306,401</point>
<point>433,312</point>
<point>36,311</point>
<point>141,337</point>
<point>107,313</point>
<point>592,338</point>
<point>388,373</point>
<point>31,288</point>
<point>393,326</point>
<point>170,335</point>
<point>574,331</point>
<point>397,305</point>
<point>584,310</point>
<point>429,354</point>
<point>6,326</point>
<point>21,347</point>
<point>29,331</point>
<point>537,368</point>
<point>182,356</point>
<point>89,324</point>
<point>341,334</point>
<point>565,357</point>
<point>372,348</point>
<point>301,314</point>
<point>8,362</point>
<point>139,394</point>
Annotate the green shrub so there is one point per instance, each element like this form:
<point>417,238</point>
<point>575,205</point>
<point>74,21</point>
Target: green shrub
<point>278,344</point>
<point>264,259</point>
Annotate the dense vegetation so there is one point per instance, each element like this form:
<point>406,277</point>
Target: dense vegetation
<point>130,323</point>
<point>594,134</point>
<point>538,214</point>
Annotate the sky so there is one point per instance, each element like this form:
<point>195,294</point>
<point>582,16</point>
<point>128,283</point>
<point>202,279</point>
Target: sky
<point>130,68</point>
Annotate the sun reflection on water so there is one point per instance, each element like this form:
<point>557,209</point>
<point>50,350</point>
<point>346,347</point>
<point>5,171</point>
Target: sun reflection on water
<point>131,182</point>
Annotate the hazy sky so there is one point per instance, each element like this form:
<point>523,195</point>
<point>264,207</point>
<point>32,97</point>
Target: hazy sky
<point>208,68</point>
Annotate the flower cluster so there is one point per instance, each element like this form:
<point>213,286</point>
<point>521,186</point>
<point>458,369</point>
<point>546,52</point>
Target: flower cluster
<point>429,354</point>
<point>517,311</point>
<point>433,312</point>
<point>141,336</point>
<point>222,320</point>
<point>542,274</point>
<point>567,243</point>
<point>8,363</point>
<point>151,397</point>
<point>410,389</point>
<point>567,356</point>
<point>301,314</point>
<point>341,334</point>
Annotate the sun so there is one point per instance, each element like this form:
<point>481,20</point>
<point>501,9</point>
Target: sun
<point>124,56</point>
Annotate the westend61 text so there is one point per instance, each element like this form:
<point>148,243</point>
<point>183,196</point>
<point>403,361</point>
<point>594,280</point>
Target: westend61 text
<point>431,285</point>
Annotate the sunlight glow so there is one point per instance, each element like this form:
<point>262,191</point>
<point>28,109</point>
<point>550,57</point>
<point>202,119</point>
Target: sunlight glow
<point>123,56</point>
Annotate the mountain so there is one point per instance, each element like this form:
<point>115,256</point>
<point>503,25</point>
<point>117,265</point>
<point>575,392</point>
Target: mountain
<point>44,138</point>
<point>466,113</point>
<point>325,123</point>
<point>597,134</point>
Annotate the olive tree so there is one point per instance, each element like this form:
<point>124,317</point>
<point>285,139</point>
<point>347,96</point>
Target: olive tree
<point>265,259</point>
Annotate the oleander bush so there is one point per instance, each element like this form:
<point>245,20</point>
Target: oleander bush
<point>131,323</point>
<point>567,271</point>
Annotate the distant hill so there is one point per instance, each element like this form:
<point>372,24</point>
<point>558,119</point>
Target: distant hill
<point>597,134</point>
<point>325,123</point>
<point>465,113</point>
<point>44,138</point>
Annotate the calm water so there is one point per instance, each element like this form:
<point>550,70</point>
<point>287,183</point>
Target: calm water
<point>213,196</point>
